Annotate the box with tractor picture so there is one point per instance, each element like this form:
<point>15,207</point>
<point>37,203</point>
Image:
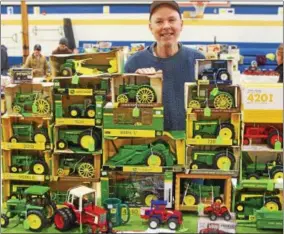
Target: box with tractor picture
<point>29,100</point>
<point>262,137</point>
<point>214,71</point>
<point>26,165</point>
<point>77,139</point>
<point>261,166</point>
<point>212,98</point>
<point>145,154</point>
<point>30,133</point>
<point>76,167</point>
<point>137,189</point>
<point>213,160</point>
<point>252,195</point>
<point>216,129</point>
<point>193,192</point>
<point>221,227</point>
<point>64,65</point>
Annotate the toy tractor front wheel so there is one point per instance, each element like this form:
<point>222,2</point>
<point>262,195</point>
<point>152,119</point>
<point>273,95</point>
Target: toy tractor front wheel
<point>240,207</point>
<point>61,144</point>
<point>226,131</point>
<point>224,160</point>
<point>212,216</point>
<point>155,159</point>
<point>4,221</point>
<point>154,222</point>
<point>66,71</point>
<point>173,224</point>
<point>194,104</point>
<point>122,98</point>
<point>253,176</point>
<point>36,220</point>
<point>227,216</point>
<point>91,112</point>
<point>86,170</point>
<point>273,137</point>
<point>223,101</point>
<point>14,139</point>
<point>190,199</point>
<point>145,95</point>
<point>74,112</point>
<point>17,109</point>
<point>39,167</point>
<point>14,169</point>
<point>272,204</point>
<point>42,106</point>
<point>194,166</point>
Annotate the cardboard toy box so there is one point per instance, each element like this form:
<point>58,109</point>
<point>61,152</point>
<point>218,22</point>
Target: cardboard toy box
<point>205,225</point>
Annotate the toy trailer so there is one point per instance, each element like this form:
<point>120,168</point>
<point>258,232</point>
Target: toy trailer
<point>269,219</point>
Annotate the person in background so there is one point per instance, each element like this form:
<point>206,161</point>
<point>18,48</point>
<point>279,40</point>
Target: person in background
<point>167,54</point>
<point>279,60</point>
<point>37,62</point>
<point>4,60</point>
<point>62,47</point>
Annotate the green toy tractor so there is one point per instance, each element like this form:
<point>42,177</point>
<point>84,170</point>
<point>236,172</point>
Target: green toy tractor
<point>154,155</point>
<point>35,102</point>
<point>222,100</point>
<point>29,133</point>
<point>222,160</point>
<point>27,163</point>
<point>212,129</point>
<point>143,94</point>
<point>81,165</point>
<point>36,208</point>
<point>193,192</point>
<point>254,170</point>
<point>85,138</point>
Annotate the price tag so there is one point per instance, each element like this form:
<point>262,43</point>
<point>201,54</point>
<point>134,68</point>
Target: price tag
<point>207,111</point>
<point>75,79</point>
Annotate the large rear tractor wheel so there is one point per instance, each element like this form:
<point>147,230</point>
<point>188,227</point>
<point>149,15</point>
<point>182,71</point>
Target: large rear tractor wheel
<point>39,167</point>
<point>190,199</point>
<point>145,95</point>
<point>42,106</point>
<point>61,220</point>
<point>86,170</point>
<point>224,160</point>
<point>155,159</point>
<point>272,204</point>
<point>226,131</point>
<point>273,137</point>
<point>36,220</point>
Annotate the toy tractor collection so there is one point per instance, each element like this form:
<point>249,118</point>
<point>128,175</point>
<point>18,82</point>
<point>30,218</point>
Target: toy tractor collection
<point>36,207</point>
<point>157,214</point>
<point>85,138</point>
<point>254,170</point>
<point>81,165</point>
<point>270,135</point>
<point>193,192</point>
<point>218,73</point>
<point>215,210</point>
<point>222,100</point>
<point>35,102</point>
<point>27,163</point>
<point>154,155</point>
<point>80,208</point>
<point>222,160</point>
<point>29,133</point>
<point>213,129</point>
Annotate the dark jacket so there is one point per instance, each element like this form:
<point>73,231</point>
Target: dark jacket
<point>279,69</point>
<point>4,60</point>
<point>65,51</point>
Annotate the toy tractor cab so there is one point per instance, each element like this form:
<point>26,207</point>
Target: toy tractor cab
<point>36,207</point>
<point>157,214</point>
<point>81,208</point>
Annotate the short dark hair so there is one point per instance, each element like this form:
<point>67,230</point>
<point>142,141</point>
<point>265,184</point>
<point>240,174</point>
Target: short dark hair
<point>63,41</point>
<point>37,47</point>
<point>157,4</point>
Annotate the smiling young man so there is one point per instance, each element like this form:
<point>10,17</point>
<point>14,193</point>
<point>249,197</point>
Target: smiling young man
<point>167,54</point>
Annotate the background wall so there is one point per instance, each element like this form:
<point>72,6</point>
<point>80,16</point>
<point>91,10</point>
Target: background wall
<point>257,29</point>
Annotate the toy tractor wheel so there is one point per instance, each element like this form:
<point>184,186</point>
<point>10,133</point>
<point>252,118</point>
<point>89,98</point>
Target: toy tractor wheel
<point>204,77</point>
<point>145,95</point>
<point>91,112</point>
<point>42,106</point>
<point>36,220</point>
<point>66,71</point>
<point>253,176</point>
<point>49,210</point>
<point>40,137</point>
<point>14,169</point>
<point>122,98</point>
<point>86,139</point>
<point>14,195</point>
<point>61,144</point>
<point>71,215</point>
<point>194,104</point>
<point>277,173</point>
<point>240,207</point>
<point>173,224</point>
<point>224,160</point>
<point>148,198</point>
<point>190,199</point>
<point>227,216</point>
<point>17,109</point>
<point>86,170</point>
<point>272,204</point>
<point>273,137</point>
<point>194,166</point>
<point>14,139</point>
<point>74,112</point>
<point>223,101</point>
<point>155,159</point>
<point>60,172</point>
<point>39,167</point>
<point>61,220</point>
<point>4,221</point>
<point>212,216</point>
<point>154,222</point>
<point>223,75</point>
<point>245,141</point>
<point>218,199</point>
<point>226,131</point>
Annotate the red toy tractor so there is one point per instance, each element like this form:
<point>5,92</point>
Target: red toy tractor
<point>157,214</point>
<point>81,209</point>
<point>217,210</point>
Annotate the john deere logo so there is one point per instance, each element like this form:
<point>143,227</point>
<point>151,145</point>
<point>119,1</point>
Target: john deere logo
<point>72,91</point>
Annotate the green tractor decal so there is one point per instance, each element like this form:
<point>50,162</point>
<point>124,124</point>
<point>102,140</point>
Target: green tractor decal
<point>156,154</point>
<point>36,208</point>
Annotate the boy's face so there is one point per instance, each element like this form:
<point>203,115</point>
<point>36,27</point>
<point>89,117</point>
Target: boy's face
<point>166,25</point>
<point>62,46</point>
